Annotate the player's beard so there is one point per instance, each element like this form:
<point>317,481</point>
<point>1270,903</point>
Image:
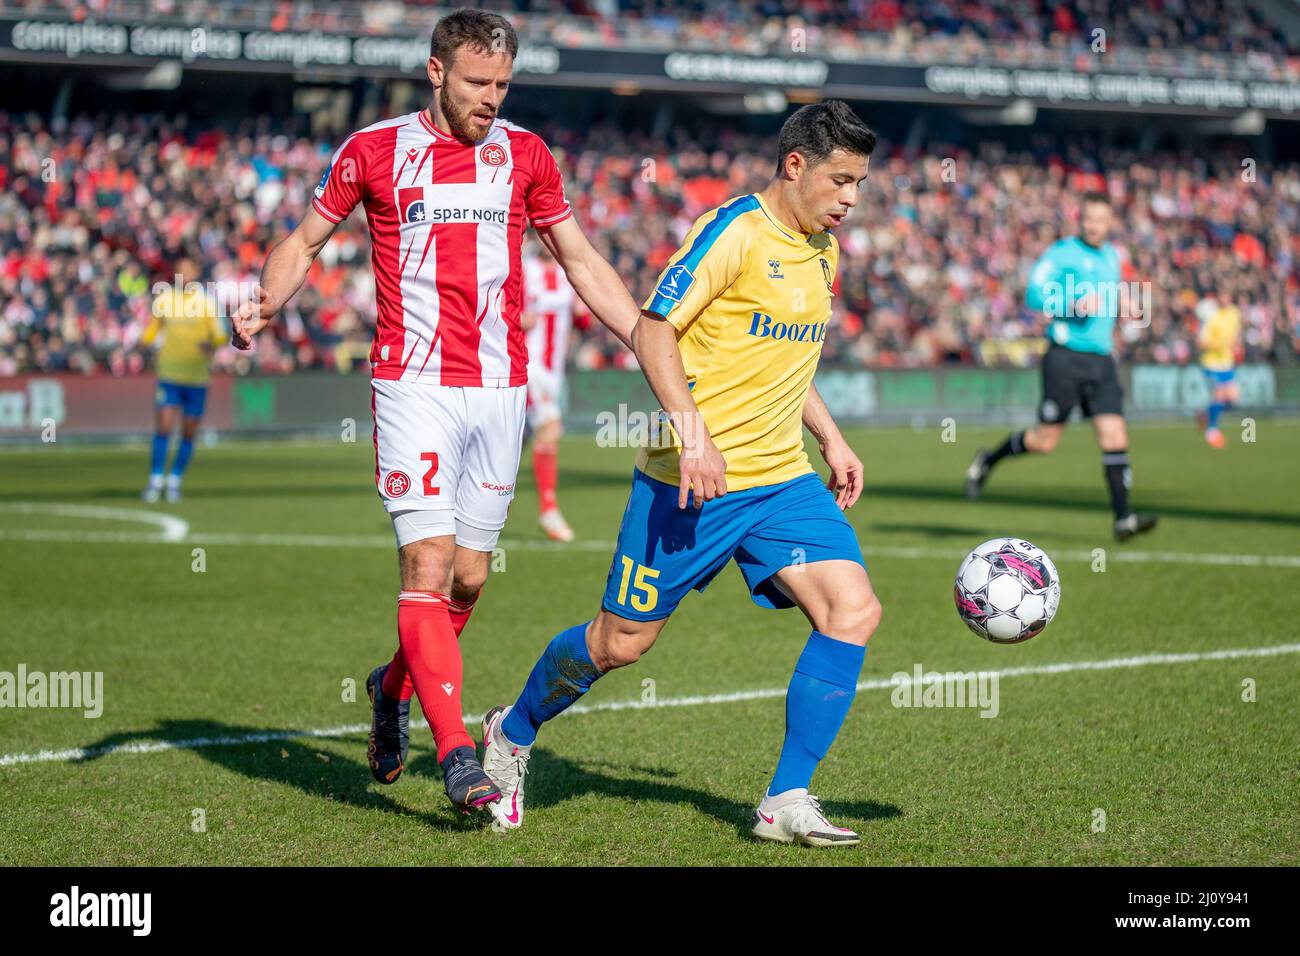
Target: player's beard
<point>459,120</point>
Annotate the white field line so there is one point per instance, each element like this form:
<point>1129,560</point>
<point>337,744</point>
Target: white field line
<point>253,539</point>
<point>348,730</point>
<point>171,527</point>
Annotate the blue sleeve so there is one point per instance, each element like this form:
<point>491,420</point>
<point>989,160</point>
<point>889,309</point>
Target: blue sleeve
<point>1046,271</point>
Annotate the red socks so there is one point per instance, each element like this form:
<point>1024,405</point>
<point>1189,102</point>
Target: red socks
<point>546,471</point>
<point>432,655</point>
<point>460,612</point>
<point>397,681</point>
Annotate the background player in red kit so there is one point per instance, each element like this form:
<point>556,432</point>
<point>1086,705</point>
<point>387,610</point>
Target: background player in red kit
<point>448,192</point>
<point>549,303</point>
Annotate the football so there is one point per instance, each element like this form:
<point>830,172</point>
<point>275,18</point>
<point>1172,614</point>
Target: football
<point>1007,590</point>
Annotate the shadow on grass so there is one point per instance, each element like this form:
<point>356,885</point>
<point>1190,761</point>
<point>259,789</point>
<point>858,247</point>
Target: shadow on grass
<point>553,779</point>
<point>296,763</point>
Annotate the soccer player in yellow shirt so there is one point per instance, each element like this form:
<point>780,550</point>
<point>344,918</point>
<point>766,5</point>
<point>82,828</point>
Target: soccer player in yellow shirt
<point>186,318</point>
<point>1219,339</point>
<point>729,342</point>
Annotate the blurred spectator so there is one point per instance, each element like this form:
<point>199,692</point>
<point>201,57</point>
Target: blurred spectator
<point>932,268</point>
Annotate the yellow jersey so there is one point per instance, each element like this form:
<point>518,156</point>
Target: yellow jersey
<point>190,328</point>
<point>750,299</point>
<point>1219,339</point>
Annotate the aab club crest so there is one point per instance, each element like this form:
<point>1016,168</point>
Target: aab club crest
<point>493,154</point>
<point>396,484</point>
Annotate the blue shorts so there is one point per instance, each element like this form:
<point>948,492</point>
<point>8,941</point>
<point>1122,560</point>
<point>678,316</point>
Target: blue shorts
<point>664,551</point>
<point>191,398</point>
<point>1225,377</point>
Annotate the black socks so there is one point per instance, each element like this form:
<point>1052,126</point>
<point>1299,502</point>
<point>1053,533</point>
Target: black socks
<point>1014,445</point>
<point>1119,478</point>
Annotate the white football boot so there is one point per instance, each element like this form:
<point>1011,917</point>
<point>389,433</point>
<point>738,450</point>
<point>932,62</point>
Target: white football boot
<point>153,491</point>
<point>556,528</point>
<point>173,488</point>
<point>796,817</point>
<point>506,765</point>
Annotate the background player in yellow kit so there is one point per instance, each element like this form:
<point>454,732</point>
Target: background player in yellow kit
<point>729,342</point>
<point>186,318</point>
<point>1219,339</point>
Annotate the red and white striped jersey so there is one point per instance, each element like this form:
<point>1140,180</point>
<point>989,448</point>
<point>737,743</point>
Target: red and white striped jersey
<point>447,220</point>
<point>548,295</point>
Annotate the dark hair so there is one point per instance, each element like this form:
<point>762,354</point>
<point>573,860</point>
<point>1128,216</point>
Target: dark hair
<point>817,130</point>
<point>477,29</point>
<point>1093,196</point>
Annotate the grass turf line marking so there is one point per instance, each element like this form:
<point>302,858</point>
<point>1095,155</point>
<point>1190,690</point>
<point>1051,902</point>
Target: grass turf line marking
<point>171,528</point>
<point>171,535</point>
<point>348,730</point>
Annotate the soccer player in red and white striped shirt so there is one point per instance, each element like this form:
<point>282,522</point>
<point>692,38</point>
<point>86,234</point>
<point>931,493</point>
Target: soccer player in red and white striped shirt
<point>448,193</point>
<point>549,302</point>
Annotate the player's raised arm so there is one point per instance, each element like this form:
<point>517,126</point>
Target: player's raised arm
<point>282,276</point>
<point>703,469</point>
<point>846,468</point>
<point>601,289</point>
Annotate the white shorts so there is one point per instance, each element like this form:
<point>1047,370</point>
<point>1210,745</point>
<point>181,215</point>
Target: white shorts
<point>446,459</point>
<point>545,391</point>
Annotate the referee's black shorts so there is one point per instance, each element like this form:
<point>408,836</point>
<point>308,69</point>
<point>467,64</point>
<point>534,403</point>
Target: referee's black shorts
<point>1073,378</point>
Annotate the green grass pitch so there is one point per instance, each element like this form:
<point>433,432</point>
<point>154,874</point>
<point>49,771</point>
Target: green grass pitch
<point>298,596</point>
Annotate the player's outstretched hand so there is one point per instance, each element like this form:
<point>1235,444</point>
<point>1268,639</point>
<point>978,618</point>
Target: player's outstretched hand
<point>250,318</point>
<point>703,473</point>
<point>845,480</point>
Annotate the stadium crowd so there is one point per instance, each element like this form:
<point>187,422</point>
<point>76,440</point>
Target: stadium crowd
<point>1178,36</point>
<point>933,262</point>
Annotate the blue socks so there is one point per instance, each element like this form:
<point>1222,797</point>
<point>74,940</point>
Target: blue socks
<point>821,692</point>
<point>158,454</point>
<point>182,459</point>
<point>1212,414</point>
<point>561,675</point>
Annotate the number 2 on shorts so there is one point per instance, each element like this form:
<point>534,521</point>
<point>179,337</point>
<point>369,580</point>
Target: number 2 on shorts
<point>650,596</point>
<point>432,458</point>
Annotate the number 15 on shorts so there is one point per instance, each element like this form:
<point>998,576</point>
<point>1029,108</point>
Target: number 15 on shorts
<point>636,578</point>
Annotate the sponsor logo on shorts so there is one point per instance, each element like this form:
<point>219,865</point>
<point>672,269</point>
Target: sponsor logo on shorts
<point>396,484</point>
<point>1050,410</point>
<point>501,490</point>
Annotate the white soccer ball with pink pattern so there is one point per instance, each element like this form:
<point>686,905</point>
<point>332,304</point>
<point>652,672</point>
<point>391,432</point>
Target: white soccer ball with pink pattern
<point>1007,590</point>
